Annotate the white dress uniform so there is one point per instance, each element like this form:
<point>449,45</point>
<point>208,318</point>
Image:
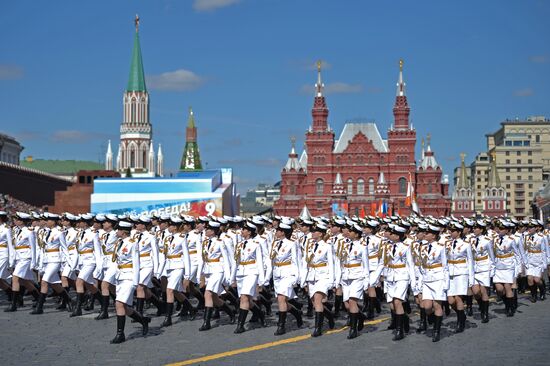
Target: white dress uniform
<point>353,270</point>
<point>110,269</point>
<point>126,257</point>
<point>70,263</point>
<point>318,267</point>
<point>285,267</point>
<point>149,257</point>
<point>250,268</point>
<point>160,235</point>
<point>397,263</point>
<point>24,246</point>
<point>5,253</point>
<point>484,259</point>
<point>521,257</point>
<point>506,253</point>
<point>373,243</point>
<point>89,256</point>
<point>177,263</point>
<point>194,244</point>
<point>461,267</point>
<point>214,264</point>
<point>537,257</point>
<point>54,250</point>
<point>265,244</point>
<point>435,272</point>
<point>416,250</point>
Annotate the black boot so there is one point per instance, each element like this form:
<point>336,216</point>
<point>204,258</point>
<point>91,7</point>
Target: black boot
<point>509,302</point>
<point>77,311</point>
<point>207,317</point>
<point>407,307</point>
<point>39,305</point>
<point>469,305</point>
<point>309,312</point>
<point>353,333</point>
<point>159,304</point>
<point>406,323</point>
<point>370,309</point>
<point>91,303</point>
<point>281,329</point>
<point>533,293</point>
<point>460,321</point>
<point>431,319</point>
<point>297,313</point>
<point>330,318</point>
<point>485,314</point>
<point>240,323</point>
<point>259,315</point>
<point>542,289</point>
<point>338,301</point>
<point>399,334</point>
<point>377,306</point>
<point>140,302</point>
<point>447,308</point>
<point>366,303</point>
<point>423,323</point>
<point>360,321</point>
<point>319,318</point>
<point>392,322</point>
<point>64,302</point>
<point>9,293</point>
<point>265,301</point>
<point>515,301</point>
<point>104,313</point>
<point>227,309</point>
<point>437,329</point>
<point>168,316</point>
<point>187,309</point>
<point>120,323</point>
<point>14,302</point>
<point>143,320</point>
<point>298,305</point>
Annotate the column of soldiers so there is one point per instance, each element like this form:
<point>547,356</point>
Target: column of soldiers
<point>239,266</point>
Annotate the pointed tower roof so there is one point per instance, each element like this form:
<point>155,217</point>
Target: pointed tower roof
<point>401,109</point>
<point>136,81</point>
<point>151,149</point>
<point>109,150</point>
<point>292,162</point>
<point>319,86</point>
<point>320,109</point>
<point>400,83</point>
<point>191,160</point>
<point>463,181</point>
<point>191,119</point>
<point>428,161</point>
<point>494,179</point>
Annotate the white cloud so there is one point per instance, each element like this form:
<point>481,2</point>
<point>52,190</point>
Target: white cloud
<point>525,92</point>
<point>334,88</point>
<point>211,5</point>
<point>10,72</point>
<point>178,80</point>
<point>539,59</point>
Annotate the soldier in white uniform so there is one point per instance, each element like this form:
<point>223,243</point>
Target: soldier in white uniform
<point>214,264</point>
<point>352,270</point>
<point>286,275</point>
<point>108,239</point>
<point>461,272</point>
<point>484,267</point>
<point>70,263</point>
<point>23,246</point>
<point>397,264</point>
<point>54,250</point>
<point>90,257</point>
<point>337,240</point>
<point>248,274</point>
<point>5,254</point>
<point>126,256</point>
<point>149,262</point>
<point>373,242</point>
<point>177,265</point>
<point>194,244</point>
<point>537,250</point>
<point>506,253</point>
<point>318,275</point>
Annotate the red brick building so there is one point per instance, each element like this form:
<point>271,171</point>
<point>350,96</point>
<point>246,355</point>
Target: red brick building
<point>360,170</point>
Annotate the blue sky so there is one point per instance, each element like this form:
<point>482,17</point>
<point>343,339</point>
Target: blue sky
<point>246,67</point>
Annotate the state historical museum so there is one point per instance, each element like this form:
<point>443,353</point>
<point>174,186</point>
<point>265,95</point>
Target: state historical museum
<point>360,172</point>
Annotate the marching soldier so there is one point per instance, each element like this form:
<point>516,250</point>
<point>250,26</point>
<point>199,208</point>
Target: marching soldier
<point>484,268</point>
<point>6,255</point>
<point>537,259</point>
<point>110,269</point>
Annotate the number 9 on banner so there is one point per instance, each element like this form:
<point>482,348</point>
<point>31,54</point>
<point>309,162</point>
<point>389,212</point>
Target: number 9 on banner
<point>210,208</point>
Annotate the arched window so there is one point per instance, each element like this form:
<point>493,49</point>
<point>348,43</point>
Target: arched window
<point>132,158</point>
<point>371,186</point>
<point>292,188</point>
<point>497,205</point>
<point>460,205</point>
<point>430,188</point>
<point>402,182</point>
<point>319,186</point>
<point>350,186</point>
<point>360,186</point>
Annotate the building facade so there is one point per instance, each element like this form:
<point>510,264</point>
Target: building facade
<point>521,150</point>
<point>10,149</point>
<point>360,170</point>
<point>136,153</point>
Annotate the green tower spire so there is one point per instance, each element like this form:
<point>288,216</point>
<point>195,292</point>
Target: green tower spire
<point>191,159</point>
<point>136,82</point>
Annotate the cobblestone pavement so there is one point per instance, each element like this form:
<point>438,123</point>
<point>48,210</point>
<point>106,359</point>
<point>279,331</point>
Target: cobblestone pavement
<point>56,339</point>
